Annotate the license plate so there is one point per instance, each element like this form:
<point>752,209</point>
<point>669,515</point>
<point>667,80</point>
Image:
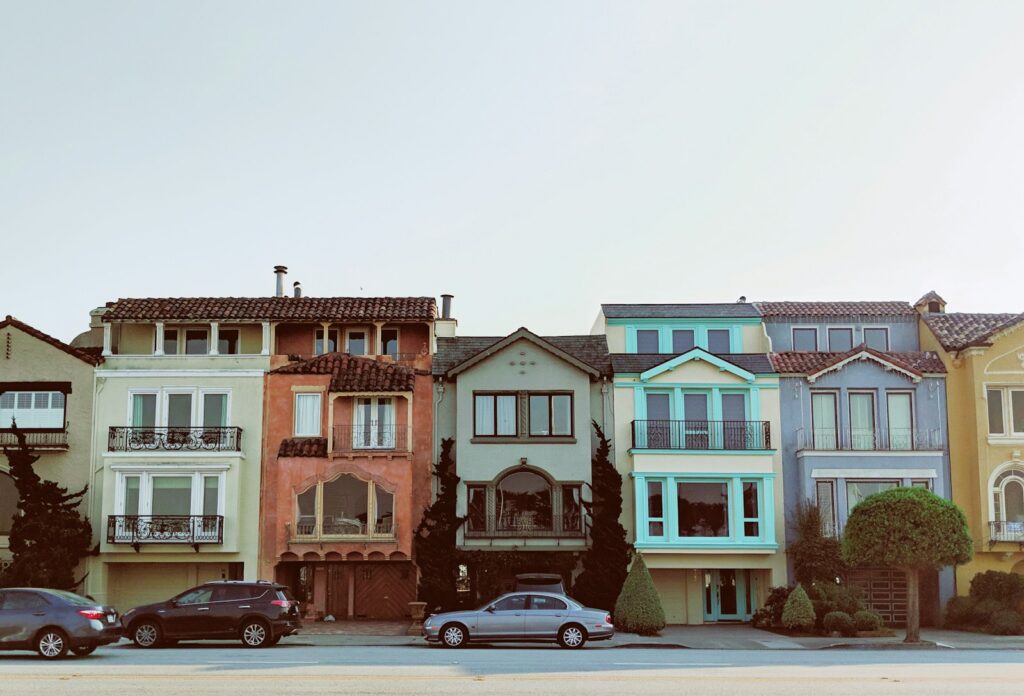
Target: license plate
<point>111,618</point>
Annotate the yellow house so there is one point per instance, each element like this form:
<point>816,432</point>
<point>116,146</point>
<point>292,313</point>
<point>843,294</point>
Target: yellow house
<point>984,358</point>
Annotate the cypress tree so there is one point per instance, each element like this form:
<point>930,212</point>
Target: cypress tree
<point>50,536</point>
<point>434,541</point>
<point>606,562</point>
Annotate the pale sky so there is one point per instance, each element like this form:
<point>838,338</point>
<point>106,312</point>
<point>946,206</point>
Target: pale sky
<point>533,158</point>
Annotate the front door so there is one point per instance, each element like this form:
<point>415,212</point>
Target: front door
<point>728,595</point>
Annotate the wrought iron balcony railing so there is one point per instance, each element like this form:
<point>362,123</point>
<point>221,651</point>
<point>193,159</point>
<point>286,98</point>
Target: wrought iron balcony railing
<point>206,439</point>
<point>869,439</point>
<point>37,440</point>
<point>1006,531</point>
<point>370,436</point>
<point>137,530</point>
<point>524,525</point>
<point>311,529</point>
<point>701,435</point>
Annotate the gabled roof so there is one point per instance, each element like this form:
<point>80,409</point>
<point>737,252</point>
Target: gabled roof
<point>272,309</point>
<point>351,373</point>
<point>724,310</point>
<point>961,330</point>
<point>83,355</point>
<point>698,355</point>
<point>588,353</point>
<point>789,310</point>
<point>930,296</point>
<point>914,364</point>
<point>636,363</point>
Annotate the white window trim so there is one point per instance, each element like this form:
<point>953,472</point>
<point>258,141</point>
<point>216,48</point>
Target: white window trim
<point>1000,490</point>
<point>792,336</point>
<point>1009,435</point>
<point>398,340</point>
<point>201,405</point>
<point>295,414</point>
<point>318,336</point>
<point>888,335</point>
<point>146,476</point>
<point>132,393</point>
<point>841,327</point>
<point>366,339</point>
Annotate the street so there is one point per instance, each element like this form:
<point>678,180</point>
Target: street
<point>296,667</point>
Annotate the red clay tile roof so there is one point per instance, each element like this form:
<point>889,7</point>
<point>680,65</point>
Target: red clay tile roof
<point>782,310</point>
<point>79,353</point>
<point>272,309</point>
<point>355,374</point>
<point>961,330</point>
<point>801,363</point>
<point>303,447</point>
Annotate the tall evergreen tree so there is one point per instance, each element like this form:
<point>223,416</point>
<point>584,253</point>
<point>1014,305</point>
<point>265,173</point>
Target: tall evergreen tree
<point>434,542</point>
<point>50,536</point>
<point>606,562</point>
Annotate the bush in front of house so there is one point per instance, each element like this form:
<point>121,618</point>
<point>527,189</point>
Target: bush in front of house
<point>827,597</point>
<point>638,609</point>
<point>959,612</point>
<point>1005,588</point>
<point>770,613</point>
<point>1005,623</point>
<point>984,611</point>
<point>798,614</point>
<point>865,620</point>
<point>995,605</point>
<point>839,622</point>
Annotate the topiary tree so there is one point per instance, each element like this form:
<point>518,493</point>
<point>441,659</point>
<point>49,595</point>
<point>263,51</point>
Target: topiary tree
<point>606,562</point>
<point>50,536</point>
<point>638,609</point>
<point>434,547</point>
<point>910,529</point>
<point>798,614</point>
<point>816,557</point>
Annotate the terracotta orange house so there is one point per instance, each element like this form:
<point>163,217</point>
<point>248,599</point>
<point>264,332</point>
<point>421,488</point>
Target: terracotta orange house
<point>346,460</point>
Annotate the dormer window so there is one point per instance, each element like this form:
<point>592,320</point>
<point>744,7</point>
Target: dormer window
<point>682,340</point>
<point>647,341</point>
<point>934,307</point>
<point>718,341</point>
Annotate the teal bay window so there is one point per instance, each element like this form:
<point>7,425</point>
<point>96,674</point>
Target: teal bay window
<point>677,338</point>
<point>705,510</point>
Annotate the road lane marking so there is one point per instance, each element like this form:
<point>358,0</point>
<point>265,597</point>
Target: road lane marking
<point>259,662</point>
<point>673,664</point>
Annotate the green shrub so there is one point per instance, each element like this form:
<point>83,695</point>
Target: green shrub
<point>1005,588</point>
<point>839,622</point>
<point>840,597</point>
<point>638,609</point>
<point>984,611</point>
<point>798,614</point>
<point>822,607</point>
<point>960,612</point>
<point>865,620</point>
<point>774,604</point>
<point>1006,623</point>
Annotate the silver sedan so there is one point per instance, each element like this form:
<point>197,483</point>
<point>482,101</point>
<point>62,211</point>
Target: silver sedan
<point>521,617</point>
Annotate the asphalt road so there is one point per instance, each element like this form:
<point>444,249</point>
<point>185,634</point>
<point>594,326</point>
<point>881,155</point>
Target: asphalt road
<point>297,669</point>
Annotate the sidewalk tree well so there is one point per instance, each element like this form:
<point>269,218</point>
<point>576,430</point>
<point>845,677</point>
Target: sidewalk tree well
<point>434,548</point>
<point>638,609</point>
<point>50,536</point>
<point>606,562</point>
<point>911,529</point>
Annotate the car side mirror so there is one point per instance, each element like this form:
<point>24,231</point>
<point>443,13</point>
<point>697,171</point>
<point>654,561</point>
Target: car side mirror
<point>490,609</point>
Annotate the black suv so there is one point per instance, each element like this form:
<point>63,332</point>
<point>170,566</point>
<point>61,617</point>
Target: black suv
<point>258,613</point>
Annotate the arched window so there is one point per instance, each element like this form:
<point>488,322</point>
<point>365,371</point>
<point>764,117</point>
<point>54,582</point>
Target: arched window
<point>1008,503</point>
<point>524,502</point>
<point>345,506</point>
<point>8,502</point>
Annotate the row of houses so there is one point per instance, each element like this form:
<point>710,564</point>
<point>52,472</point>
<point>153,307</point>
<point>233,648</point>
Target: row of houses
<point>294,437</point>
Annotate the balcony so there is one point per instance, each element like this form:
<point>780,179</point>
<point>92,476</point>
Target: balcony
<point>214,439</point>
<point>869,440</point>
<point>1006,531</point>
<point>192,530</point>
<point>701,435</point>
<point>369,437</point>
<point>53,440</point>
<point>341,529</point>
<point>525,525</point>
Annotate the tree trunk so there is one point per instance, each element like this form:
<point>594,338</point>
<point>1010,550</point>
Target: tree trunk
<point>913,606</point>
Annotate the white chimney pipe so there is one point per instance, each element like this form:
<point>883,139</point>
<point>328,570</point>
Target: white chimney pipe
<point>280,272</point>
<point>297,289</point>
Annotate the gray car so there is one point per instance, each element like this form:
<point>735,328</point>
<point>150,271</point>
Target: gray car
<point>51,622</point>
<point>521,617</point>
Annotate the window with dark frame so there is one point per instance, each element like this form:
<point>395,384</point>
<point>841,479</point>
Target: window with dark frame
<point>682,340</point>
<point>647,341</point>
<point>840,340</point>
<point>550,415</point>
<point>719,341</point>
<point>805,340</point>
<point>495,415</point>
<point>877,338</point>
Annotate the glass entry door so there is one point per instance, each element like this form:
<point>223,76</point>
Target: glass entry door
<point>728,595</point>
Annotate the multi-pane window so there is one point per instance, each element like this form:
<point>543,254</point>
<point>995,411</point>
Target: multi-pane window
<point>389,342</point>
<point>877,338</point>
<point>345,506</point>
<point>647,341</point>
<point>826,494</point>
<point>703,510</point>
<point>655,509</point>
<point>840,340</point>
<point>307,415</point>
<point>170,494</point>
<point>719,341</point>
<point>857,491</point>
<point>1005,411</point>
<point>32,410</point>
<point>550,414</point>
<point>682,340</point>
<point>320,346</point>
<point>805,340</point>
<point>494,415</point>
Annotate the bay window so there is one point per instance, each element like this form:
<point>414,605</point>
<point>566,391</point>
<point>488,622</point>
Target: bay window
<point>33,410</point>
<point>346,506</point>
<point>170,493</point>
<point>524,503</point>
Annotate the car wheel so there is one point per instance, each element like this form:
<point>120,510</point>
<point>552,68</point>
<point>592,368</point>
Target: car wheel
<point>454,635</point>
<point>147,634</point>
<point>84,650</point>
<point>52,643</point>
<point>572,636</point>
<point>255,634</point>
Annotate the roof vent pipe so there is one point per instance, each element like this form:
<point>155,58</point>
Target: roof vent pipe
<point>297,289</point>
<point>280,272</point>
<point>742,300</point>
<point>446,306</point>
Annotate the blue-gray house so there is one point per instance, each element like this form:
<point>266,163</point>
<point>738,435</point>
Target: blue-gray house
<point>862,409</point>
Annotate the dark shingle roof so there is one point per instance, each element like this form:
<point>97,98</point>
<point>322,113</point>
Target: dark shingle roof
<point>303,447</point>
<point>961,330</point>
<point>730,310</point>
<point>272,309</point>
<point>786,310</point>
<point>805,363</point>
<point>354,374</point>
<point>930,296</point>
<point>90,357</point>
<point>635,363</point>
<point>591,350</point>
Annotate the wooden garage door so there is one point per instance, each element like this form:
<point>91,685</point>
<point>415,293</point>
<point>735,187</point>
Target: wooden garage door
<point>384,590</point>
<point>885,591</point>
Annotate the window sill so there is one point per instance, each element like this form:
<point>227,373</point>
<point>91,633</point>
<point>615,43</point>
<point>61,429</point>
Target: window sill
<point>1004,440</point>
<point>556,440</point>
<point>730,452</point>
<point>741,545</point>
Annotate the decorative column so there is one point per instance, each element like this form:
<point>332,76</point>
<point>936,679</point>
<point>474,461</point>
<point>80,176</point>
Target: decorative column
<point>326,328</point>
<point>158,348</point>
<point>214,337</point>
<point>106,340</point>
<point>266,339</point>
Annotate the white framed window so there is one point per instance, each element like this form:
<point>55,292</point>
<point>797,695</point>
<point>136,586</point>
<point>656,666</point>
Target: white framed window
<point>143,410</point>
<point>374,423</point>
<point>330,346</point>
<point>172,493</point>
<point>840,339</point>
<point>170,341</point>
<point>355,342</point>
<point>856,491</point>
<point>33,410</point>
<point>805,339</point>
<point>307,414</point>
<point>900,414</point>
<point>179,407</point>
<point>1005,411</point>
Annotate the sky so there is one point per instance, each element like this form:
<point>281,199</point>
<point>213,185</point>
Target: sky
<point>534,159</point>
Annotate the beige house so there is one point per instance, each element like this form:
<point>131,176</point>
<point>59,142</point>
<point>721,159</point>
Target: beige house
<point>46,387</point>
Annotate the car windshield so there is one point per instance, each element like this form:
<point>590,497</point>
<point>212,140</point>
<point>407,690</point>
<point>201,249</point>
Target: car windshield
<point>72,598</point>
